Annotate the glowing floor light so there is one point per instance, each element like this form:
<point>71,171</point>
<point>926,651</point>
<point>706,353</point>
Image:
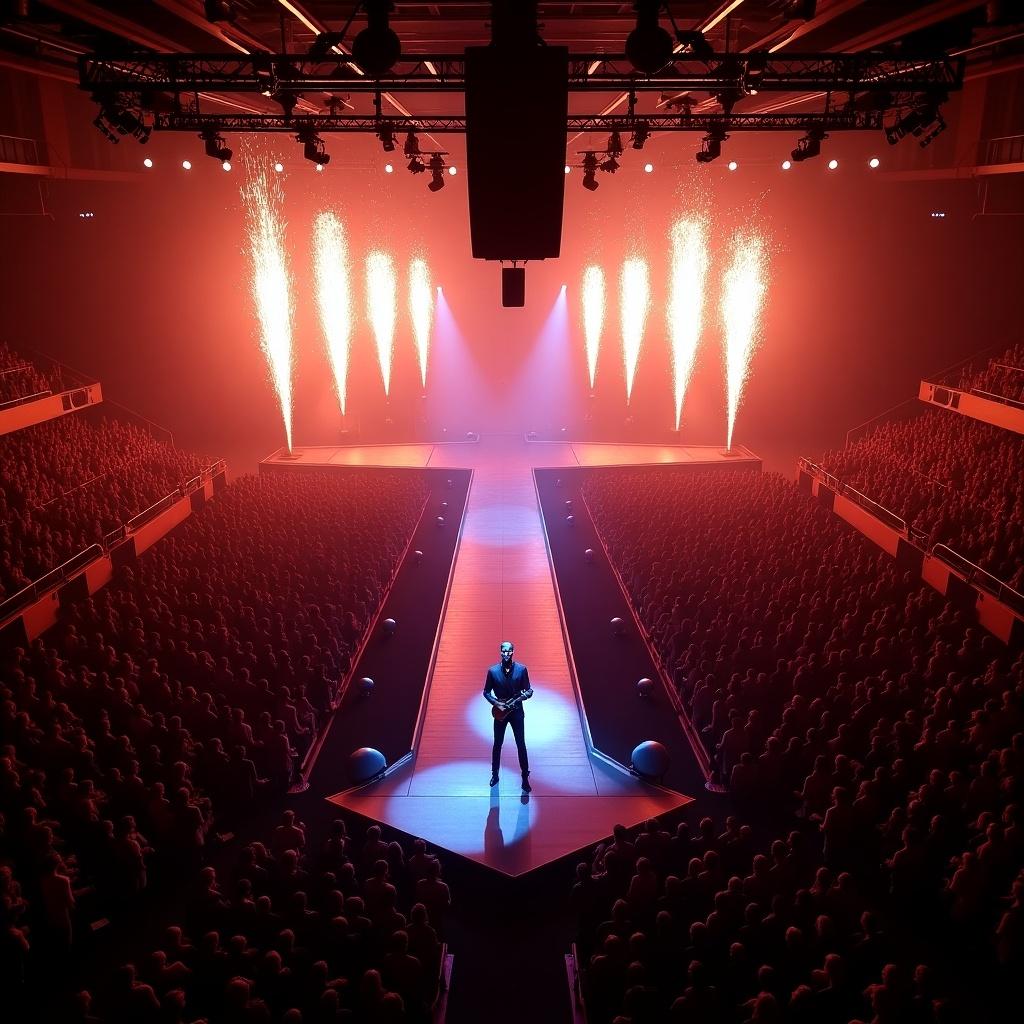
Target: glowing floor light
<point>271,286</point>
<point>593,316</point>
<point>743,293</point>
<point>381,291</point>
<point>689,271</point>
<point>334,297</point>
<point>421,310</point>
<point>634,303</point>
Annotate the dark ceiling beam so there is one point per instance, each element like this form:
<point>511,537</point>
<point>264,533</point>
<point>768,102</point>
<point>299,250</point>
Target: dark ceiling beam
<point>233,36</point>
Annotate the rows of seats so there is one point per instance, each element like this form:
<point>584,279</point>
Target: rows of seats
<point>21,377</point>
<point>66,483</point>
<point>175,701</point>
<point>1003,375</point>
<point>873,739</point>
<point>956,479</point>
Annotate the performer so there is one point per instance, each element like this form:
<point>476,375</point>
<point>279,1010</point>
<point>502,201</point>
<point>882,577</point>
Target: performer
<point>508,682</point>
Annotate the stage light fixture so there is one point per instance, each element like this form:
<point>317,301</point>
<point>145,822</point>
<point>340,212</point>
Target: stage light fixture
<point>733,165</point>
<point>279,167</point>
<point>148,162</point>
<point>412,145</point>
<point>611,165</point>
<point>874,162</point>
<point>711,146</point>
<point>387,139</point>
<point>389,168</point>
<point>377,48</point>
<point>833,164</point>
<point>186,165</point>
<point>641,134</point>
<point>567,168</point>
<point>226,165</point>
<point>214,145</point>
<point>416,165</point>
<point>590,181</point>
<point>648,46</point>
<point>697,44</point>
<point>319,167</point>
<point>809,146</point>
<point>614,147</point>
<point>115,120</point>
<point>313,148</point>
<point>756,65</point>
<point>453,170</point>
<point>786,164</point>
<point>648,168</point>
<point>436,167</point>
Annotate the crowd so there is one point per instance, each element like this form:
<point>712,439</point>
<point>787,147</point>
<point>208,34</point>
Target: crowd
<point>956,479</point>
<point>177,700</point>
<point>20,377</point>
<point>873,741</point>
<point>66,483</point>
<point>1003,376</point>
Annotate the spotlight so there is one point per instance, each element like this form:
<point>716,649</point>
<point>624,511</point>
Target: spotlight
<point>711,146</point>
<point>590,181</point>
<point>148,162</point>
<point>186,165</point>
<point>387,139</point>
<point>226,165</point>
<point>453,170</point>
<point>648,168</point>
<point>614,147</point>
<point>833,164</point>
<point>279,167</point>
<point>786,165</point>
<point>611,165</point>
<point>874,162</point>
<point>436,167</point>
<point>319,167</point>
<point>567,168</point>
<point>389,169</point>
<point>115,120</point>
<point>214,144</point>
<point>697,44</point>
<point>412,145</point>
<point>809,146</point>
<point>640,136</point>
<point>733,165</point>
<point>757,63</point>
<point>313,148</point>
<point>416,165</point>
<point>648,46</point>
<point>925,119</point>
<point>376,49</point>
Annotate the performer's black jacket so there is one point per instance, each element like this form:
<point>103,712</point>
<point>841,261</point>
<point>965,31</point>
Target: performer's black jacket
<point>501,687</point>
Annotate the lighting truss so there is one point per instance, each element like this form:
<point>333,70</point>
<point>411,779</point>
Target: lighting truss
<point>830,72</point>
<point>836,121</point>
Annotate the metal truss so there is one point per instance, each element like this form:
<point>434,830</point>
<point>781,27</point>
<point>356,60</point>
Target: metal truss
<point>838,121</point>
<point>264,73</point>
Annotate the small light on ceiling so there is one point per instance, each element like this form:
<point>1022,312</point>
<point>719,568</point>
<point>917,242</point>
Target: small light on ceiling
<point>786,164</point>
<point>938,214</point>
<point>87,215</point>
<point>648,168</point>
<point>186,164</point>
<point>567,168</point>
<point>453,170</point>
<point>874,162</point>
<point>319,167</point>
<point>833,164</point>
<point>389,168</point>
<point>279,167</point>
<point>148,162</point>
<point>226,165</point>
<point>733,165</point>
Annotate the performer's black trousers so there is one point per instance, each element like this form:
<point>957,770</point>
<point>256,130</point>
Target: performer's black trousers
<point>518,730</point>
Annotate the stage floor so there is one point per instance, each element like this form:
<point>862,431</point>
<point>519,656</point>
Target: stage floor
<point>502,589</point>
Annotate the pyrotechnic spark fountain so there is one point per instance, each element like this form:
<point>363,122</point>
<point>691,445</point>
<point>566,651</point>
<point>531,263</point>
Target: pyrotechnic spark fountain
<point>634,302</point>
<point>380,308</point>
<point>330,260</point>
<point>593,316</point>
<point>421,309</point>
<point>271,285</point>
<point>686,300</point>
<point>743,292</point>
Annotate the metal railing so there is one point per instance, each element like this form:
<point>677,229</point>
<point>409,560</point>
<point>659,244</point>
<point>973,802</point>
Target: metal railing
<point>25,399</point>
<point>55,577</point>
<point>16,150</point>
<point>1009,149</point>
<point>979,577</point>
<point>854,434</point>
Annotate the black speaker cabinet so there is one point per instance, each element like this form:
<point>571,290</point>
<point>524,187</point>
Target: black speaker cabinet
<point>517,102</point>
<point>513,286</point>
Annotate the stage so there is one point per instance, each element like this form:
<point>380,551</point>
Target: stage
<point>502,588</point>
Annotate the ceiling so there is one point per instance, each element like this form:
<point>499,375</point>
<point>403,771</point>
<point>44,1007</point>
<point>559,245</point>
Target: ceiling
<point>49,40</point>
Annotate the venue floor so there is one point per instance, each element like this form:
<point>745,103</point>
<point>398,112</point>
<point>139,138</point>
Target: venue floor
<point>502,589</point>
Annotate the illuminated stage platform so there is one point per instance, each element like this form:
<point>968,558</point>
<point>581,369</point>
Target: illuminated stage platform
<point>502,588</point>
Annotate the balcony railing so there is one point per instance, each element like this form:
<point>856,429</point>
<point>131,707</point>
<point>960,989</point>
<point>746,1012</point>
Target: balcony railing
<point>1006,150</point>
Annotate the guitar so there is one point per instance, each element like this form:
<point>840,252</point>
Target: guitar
<point>503,710</point>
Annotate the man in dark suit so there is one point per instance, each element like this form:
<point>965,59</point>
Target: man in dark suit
<point>506,680</point>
